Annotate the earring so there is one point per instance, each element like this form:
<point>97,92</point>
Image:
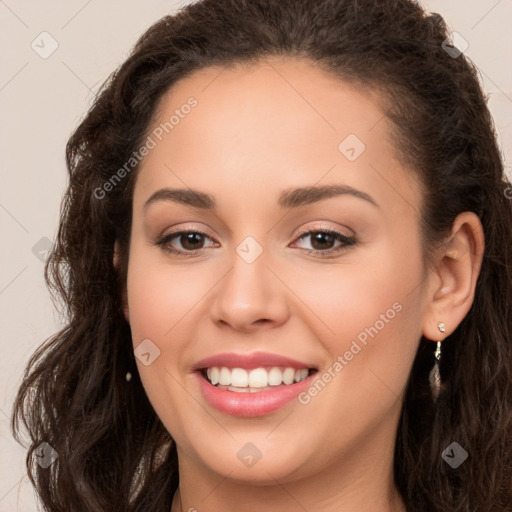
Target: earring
<point>435,376</point>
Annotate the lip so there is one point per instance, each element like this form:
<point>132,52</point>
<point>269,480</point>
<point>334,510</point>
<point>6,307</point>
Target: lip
<point>259,403</point>
<point>251,404</point>
<point>249,361</point>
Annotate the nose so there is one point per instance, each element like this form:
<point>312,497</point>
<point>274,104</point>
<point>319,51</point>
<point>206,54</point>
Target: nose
<point>250,296</point>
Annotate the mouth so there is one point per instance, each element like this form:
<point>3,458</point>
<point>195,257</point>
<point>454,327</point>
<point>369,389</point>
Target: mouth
<point>254,380</point>
<point>253,384</point>
<point>259,396</point>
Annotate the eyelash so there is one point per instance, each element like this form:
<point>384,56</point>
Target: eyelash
<point>345,242</point>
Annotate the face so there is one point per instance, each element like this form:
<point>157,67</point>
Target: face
<point>304,301</point>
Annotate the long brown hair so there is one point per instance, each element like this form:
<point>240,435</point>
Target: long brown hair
<point>114,454</point>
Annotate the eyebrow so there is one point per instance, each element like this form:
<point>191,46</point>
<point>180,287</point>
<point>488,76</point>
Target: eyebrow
<point>290,198</point>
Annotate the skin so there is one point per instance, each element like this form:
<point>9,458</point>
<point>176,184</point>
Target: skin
<point>255,132</point>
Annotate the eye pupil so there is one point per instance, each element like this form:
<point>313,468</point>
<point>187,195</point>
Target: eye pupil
<point>189,239</point>
<point>319,236</point>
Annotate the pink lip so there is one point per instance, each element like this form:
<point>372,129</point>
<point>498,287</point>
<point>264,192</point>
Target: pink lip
<point>249,361</point>
<point>251,404</point>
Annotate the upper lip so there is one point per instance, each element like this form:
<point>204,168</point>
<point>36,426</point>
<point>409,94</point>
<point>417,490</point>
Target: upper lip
<point>249,361</point>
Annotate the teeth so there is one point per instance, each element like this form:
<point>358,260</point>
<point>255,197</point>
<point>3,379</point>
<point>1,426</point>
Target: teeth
<point>258,378</point>
<point>275,377</point>
<point>224,377</point>
<point>288,376</point>
<point>241,380</point>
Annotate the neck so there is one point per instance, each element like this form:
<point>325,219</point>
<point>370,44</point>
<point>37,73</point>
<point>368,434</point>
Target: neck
<point>359,479</point>
<point>392,503</point>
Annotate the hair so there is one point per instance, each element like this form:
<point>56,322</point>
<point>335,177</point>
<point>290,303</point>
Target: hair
<point>114,454</point>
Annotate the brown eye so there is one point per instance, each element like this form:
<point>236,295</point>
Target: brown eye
<point>322,241</point>
<point>190,241</point>
<point>183,242</point>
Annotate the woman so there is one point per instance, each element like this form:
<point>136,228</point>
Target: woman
<point>285,255</point>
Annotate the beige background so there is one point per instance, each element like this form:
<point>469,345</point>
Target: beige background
<point>42,100</point>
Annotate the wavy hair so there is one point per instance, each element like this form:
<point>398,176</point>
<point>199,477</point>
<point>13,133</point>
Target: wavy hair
<point>114,454</point>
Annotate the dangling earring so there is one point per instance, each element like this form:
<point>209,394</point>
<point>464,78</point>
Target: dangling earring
<point>435,376</point>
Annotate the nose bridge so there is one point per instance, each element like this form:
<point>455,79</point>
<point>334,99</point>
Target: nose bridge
<point>248,280</point>
<point>249,292</point>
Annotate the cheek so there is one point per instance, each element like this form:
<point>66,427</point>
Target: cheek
<point>364,297</point>
<point>161,296</point>
<point>369,308</point>
<point>161,299</point>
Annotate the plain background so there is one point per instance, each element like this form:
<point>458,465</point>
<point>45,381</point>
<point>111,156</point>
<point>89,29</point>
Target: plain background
<point>43,99</point>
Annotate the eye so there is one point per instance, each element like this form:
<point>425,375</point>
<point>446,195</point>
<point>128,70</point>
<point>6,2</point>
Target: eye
<point>190,241</point>
<point>322,241</point>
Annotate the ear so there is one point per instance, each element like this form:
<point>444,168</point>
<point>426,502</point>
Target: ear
<point>124,298</point>
<point>451,288</point>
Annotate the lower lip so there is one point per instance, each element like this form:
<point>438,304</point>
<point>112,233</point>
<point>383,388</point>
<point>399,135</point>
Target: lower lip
<point>251,404</point>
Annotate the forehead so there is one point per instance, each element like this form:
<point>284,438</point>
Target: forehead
<point>267,99</point>
<point>262,126</point>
